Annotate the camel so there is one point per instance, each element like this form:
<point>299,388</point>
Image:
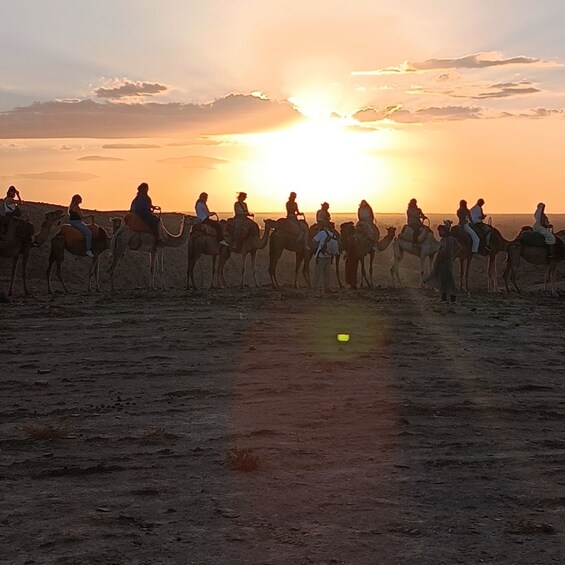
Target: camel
<point>536,255</point>
<point>426,248</point>
<point>280,240</point>
<point>71,240</point>
<point>497,244</point>
<point>126,238</point>
<point>357,246</point>
<point>251,243</point>
<point>18,243</point>
<point>204,241</point>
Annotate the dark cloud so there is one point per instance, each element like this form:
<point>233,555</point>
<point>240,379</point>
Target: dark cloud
<point>128,89</point>
<point>130,146</point>
<point>236,113</point>
<point>431,114</point>
<point>73,176</point>
<point>474,61</point>
<point>98,158</point>
<point>480,91</point>
<point>195,161</point>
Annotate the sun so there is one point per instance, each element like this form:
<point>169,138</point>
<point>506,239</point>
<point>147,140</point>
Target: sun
<point>324,159</point>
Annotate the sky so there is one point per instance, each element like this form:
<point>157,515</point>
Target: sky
<point>337,101</point>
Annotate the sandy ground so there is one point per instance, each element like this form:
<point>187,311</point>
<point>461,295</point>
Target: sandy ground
<point>432,436</point>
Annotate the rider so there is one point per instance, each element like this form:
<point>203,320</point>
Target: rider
<point>76,218</point>
<point>543,226</point>
<point>477,216</point>
<point>415,218</point>
<point>323,216</point>
<point>365,213</point>
<point>241,214</point>
<point>12,203</point>
<point>464,216</point>
<point>292,214</point>
<point>143,207</point>
<point>203,214</point>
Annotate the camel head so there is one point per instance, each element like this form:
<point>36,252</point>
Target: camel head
<point>270,224</point>
<point>116,224</point>
<point>53,217</point>
<point>391,231</point>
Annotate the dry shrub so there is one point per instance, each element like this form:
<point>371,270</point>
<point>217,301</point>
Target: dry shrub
<point>243,460</point>
<point>46,432</point>
<point>149,433</point>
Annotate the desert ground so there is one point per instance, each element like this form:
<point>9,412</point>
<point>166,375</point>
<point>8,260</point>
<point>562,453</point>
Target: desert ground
<point>231,426</point>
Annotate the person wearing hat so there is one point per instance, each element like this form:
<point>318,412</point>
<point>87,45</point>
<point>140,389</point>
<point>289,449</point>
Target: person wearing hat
<point>241,216</point>
<point>323,216</point>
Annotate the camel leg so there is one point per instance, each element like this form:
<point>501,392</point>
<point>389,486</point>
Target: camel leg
<point>371,259</point>
<point>92,272</point>
<point>48,274</point>
<point>364,273</point>
<point>395,268</point>
<point>492,283</point>
<point>213,283</point>
<point>337,258</point>
<point>152,259</point>
<point>299,259</point>
<point>13,274</point>
<point>118,247</point>
<point>253,267</point>
<point>59,272</point>
<point>243,259</point>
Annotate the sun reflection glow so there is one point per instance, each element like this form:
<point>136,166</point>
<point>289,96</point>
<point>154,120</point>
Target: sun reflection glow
<point>320,159</point>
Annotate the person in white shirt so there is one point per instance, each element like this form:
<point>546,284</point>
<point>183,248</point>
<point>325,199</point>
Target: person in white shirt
<point>242,216</point>
<point>543,226</point>
<point>203,214</point>
<point>323,260</point>
<point>464,216</point>
<point>477,216</point>
<point>12,203</point>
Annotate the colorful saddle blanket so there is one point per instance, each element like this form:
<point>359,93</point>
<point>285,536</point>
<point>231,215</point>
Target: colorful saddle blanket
<point>135,223</point>
<point>73,236</point>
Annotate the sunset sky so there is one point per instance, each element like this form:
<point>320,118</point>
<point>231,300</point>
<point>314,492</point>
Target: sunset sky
<point>338,101</point>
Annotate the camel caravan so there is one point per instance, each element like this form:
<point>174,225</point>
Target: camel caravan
<point>323,243</point>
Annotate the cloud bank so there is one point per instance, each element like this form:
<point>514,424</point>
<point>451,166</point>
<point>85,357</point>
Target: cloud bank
<point>235,113</point>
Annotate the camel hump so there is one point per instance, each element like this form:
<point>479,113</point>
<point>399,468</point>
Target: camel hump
<point>532,238</point>
<point>135,223</point>
<point>72,236</point>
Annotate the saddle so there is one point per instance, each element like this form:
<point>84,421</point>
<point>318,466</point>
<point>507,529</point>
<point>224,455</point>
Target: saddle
<point>202,229</point>
<point>368,231</point>
<point>73,236</point>
<point>135,223</point>
<point>532,239</point>
<point>407,234</point>
<point>13,226</point>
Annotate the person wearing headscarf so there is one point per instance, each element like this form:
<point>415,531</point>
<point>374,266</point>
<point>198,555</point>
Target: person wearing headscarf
<point>241,216</point>
<point>543,226</point>
<point>441,276</point>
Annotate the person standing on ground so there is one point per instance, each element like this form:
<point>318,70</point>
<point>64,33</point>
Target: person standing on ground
<point>441,276</point>
<point>323,259</point>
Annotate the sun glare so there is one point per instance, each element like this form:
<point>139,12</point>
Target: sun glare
<point>319,159</point>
